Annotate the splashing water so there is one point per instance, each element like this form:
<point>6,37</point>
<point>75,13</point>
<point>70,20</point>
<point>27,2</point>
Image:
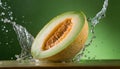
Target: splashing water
<point>25,38</point>
<point>100,14</point>
<point>25,41</point>
<point>95,20</point>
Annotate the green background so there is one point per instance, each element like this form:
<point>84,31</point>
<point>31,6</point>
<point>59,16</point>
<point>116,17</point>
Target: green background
<point>34,14</point>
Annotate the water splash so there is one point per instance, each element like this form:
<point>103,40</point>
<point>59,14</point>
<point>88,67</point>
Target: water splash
<point>25,41</point>
<point>24,37</point>
<point>94,21</point>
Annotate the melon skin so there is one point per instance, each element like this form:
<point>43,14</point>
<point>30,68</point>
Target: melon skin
<point>73,48</point>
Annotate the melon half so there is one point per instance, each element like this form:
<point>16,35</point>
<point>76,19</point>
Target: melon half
<point>62,38</point>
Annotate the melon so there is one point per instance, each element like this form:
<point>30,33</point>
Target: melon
<point>61,38</point>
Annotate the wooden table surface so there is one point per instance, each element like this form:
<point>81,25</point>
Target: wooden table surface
<point>112,64</point>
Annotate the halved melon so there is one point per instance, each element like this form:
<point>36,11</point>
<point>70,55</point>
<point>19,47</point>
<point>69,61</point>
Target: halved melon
<point>62,38</point>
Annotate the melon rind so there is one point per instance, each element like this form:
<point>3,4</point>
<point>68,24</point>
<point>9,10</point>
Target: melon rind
<point>69,46</point>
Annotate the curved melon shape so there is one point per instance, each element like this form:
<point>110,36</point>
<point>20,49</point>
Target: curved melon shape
<point>62,38</point>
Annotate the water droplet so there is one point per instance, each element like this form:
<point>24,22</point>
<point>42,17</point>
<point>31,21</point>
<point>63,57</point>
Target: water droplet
<point>6,20</point>
<point>17,56</point>
<point>11,18</point>
<point>2,19</point>
<point>15,18</point>
<point>23,16</point>
<point>6,43</point>
<point>2,14</point>
<point>6,31</point>
<point>9,7</point>
<point>10,13</point>
<point>11,57</point>
<point>4,27</point>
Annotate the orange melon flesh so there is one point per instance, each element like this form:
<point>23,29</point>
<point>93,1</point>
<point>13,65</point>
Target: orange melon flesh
<point>58,35</point>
